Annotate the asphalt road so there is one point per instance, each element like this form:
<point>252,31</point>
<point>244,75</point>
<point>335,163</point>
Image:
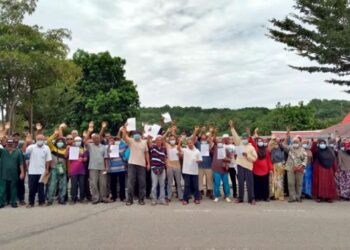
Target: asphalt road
<point>274,225</point>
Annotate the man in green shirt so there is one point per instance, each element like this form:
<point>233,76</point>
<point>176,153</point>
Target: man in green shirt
<point>10,162</point>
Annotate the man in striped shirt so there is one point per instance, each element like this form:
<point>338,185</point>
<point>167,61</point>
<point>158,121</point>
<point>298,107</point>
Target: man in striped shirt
<point>158,158</point>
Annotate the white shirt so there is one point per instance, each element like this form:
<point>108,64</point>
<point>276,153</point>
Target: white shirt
<point>190,158</point>
<point>38,156</point>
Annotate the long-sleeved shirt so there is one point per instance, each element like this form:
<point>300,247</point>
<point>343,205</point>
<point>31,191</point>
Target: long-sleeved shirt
<point>261,167</point>
<point>244,161</point>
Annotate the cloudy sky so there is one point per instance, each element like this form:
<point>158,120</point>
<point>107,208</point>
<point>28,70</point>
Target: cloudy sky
<point>191,52</point>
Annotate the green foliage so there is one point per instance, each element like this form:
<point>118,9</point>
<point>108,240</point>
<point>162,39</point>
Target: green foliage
<point>13,11</point>
<point>320,32</point>
<point>104,94</point>
<point>317,114</point>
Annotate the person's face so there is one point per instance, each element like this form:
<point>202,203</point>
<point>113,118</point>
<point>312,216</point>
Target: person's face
<point>203,138</point>
<point>96,139</point>
<point>74,133</point>
<point>226,141</point>
<point>69,140</point>
<point>10,145</point>
<point>190,144</point>
<point>107,137</point>
<point>111,141</point>
<point>159,142</point>
<point>39,138</point>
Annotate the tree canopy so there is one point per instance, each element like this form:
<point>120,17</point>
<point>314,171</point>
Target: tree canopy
<point>320,32</point>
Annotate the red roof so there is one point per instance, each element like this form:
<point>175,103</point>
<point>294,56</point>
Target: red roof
<point>346,119</point>
<point>303,134</point>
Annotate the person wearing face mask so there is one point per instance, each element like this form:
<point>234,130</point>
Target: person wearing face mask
<point>261,168</point>
<point>277,175</point>
<point>307,181</point>
<point>116,167</point>
<point>325,167</point>
<point>11,163</point>
<point>220,164</point>
<point>77,170</point>
<point>173,170</point>
<point>232,167</point>
<point>244,162</point>
<point>139,163</point>
<point>205,167</point>
<point>295,165</point>
<point>39,163</point>
<point>343,172</point>
<point>58,171</point>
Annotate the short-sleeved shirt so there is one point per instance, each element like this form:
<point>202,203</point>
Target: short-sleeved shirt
<point>9,164</point>
<point>97,154</point>
<point>77,167</point>
<point>190,158</point>
<point>117,164</point>
<point>38,156</point>
<point>137,152</point>
<point>207,160</point>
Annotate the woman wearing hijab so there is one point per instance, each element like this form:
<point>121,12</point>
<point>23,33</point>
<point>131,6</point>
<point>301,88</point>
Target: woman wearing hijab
<point>307,182</point>
<point>295,165</point>
<point>343,172</point>
<point>261,169</point>
<point>324,188</point>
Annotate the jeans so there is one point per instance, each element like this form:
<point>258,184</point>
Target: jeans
<point>245,175</point>
<point>114,179</point>
<point>191,184</point>
<point>35,187</point>
<point>139,172</point>
<point>61,180</point>
<point>218,177</point>
<point>171,174</point>
<point>158,180</point>
<point>77,181</point>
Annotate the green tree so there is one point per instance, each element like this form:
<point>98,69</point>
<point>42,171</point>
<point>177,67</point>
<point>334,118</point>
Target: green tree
<point>320,32</point>
<point>104,92</point>
<point>13,11</point>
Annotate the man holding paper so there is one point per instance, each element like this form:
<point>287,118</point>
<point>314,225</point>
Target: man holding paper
<point>77,159</point>
<point>191,158</point>
<point>204,144</point>
<point>116,167</point>
<point>245,160</point>
<point>138,164</point>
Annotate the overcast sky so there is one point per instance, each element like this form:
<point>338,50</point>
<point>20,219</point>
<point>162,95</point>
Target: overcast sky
<point>208,53</point>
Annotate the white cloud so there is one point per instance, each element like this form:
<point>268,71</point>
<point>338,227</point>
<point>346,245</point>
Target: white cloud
<point>191,52</point>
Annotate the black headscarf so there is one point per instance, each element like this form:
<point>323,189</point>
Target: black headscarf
<point>261,152</point>
<point>325,156</point>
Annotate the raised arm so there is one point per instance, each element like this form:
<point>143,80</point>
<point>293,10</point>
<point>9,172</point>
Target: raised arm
<point>126,137</point>
<point>104,126</point>
<point>235,137</point>
<point>194,135</point>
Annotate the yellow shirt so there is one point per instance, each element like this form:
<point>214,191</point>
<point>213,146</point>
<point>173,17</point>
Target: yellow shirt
<point>245,162</point>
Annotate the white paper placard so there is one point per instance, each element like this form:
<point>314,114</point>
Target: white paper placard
<point>221,153</point>
<point>131,124</point>
<point>114,151</point>
<point>173,156</point>
<point>205,149</point>
<point>74,153</point>
<point>167,118</point>
<point>240,150</point>
<point>147,129</point>
<point>154,131</point>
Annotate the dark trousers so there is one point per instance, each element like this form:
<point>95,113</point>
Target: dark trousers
<point>261,187</point>
<point>35,187</point>
<point>139,173</point>
<point>148,184</point>
<point>77,181</point>
<point>87,185</point>
<point>245,175</point>
<point>285,183</point>
<point>116,178</point>
<point>191,185</point>
<point>20,190</point>
<point>8,187</point>
<point>233,174</point>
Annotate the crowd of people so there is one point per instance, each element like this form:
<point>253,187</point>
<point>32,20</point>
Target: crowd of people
<point>131,165</point>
